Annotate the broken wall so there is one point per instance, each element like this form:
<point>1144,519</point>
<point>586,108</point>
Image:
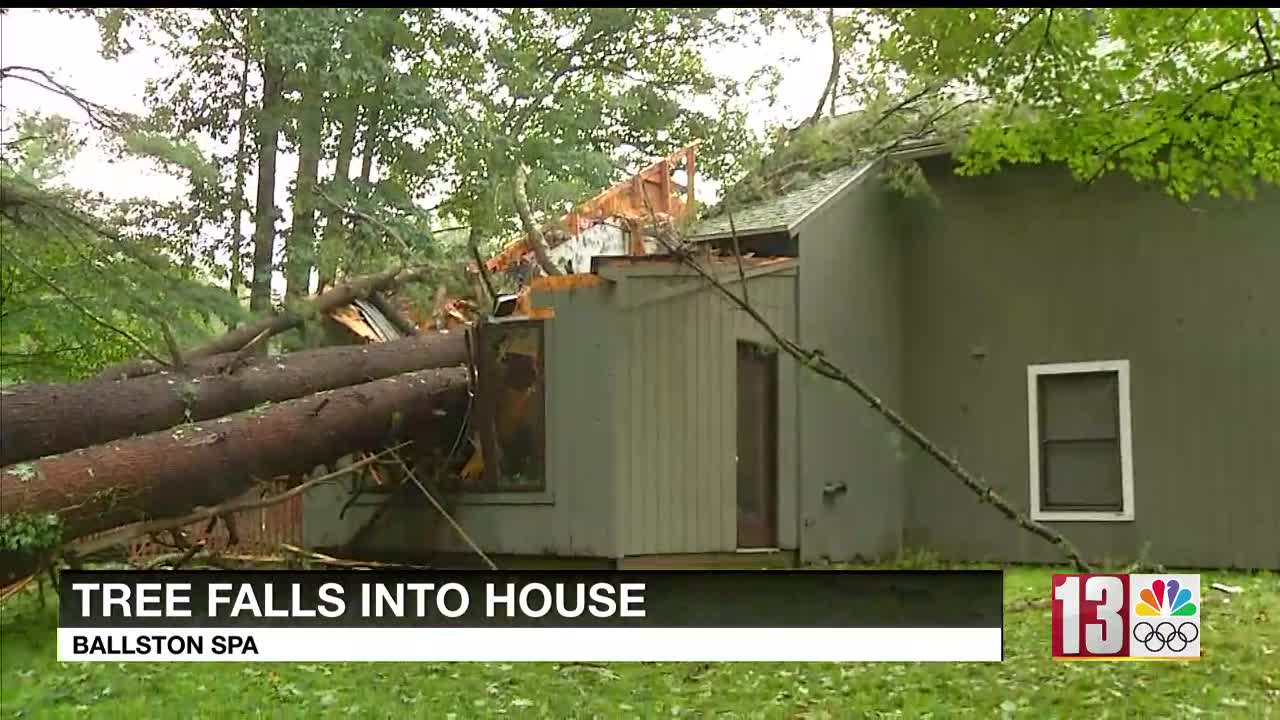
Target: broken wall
<point>574,515</point>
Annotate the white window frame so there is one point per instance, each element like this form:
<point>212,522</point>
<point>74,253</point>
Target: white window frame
<point>1121,369</point>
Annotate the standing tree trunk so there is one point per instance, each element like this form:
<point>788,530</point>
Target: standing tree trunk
<point>370,142</point>
<point>264,232</point>
<point>236,232</point>
<point>833,78</point>
<point>375,104</point>
<point>345,116</point>
<point>300,249</point>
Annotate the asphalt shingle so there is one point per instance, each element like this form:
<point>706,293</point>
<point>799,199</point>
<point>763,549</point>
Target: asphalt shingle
<point>780,212</point>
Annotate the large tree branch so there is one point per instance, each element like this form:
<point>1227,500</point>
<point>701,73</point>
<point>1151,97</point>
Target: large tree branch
<point>1266,48</point>
<point>1262,38</point>
<point>271,325</point>
<point>133,339</point>
<point>533,233</point>
<point>829,89</point>
<point>1045,41</point>
<point>814,361</point>
<point>366,218</point>
<point>473,244</point>
<point>99,115</point>
<point>1114,151</point>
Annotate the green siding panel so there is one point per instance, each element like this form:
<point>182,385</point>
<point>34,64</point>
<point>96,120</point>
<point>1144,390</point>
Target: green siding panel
<point>1026,267</point>
<point>850,298</point>
<point>679,372</point>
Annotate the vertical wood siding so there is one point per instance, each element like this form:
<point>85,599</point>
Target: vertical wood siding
<point>676,413</point>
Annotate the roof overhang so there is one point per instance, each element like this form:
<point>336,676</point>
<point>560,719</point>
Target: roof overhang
<point>680,279</point>
<point>617,268</point>
<point>930,147</point>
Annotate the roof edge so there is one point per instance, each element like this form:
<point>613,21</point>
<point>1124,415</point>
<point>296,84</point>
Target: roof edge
<point>921,149</point>
<point>724,234</point>
<point>790,228</point>
<point>834,194</point>
<point>617,268</point>
<point>924,148</point>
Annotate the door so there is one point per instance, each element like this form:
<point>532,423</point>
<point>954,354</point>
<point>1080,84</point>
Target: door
<point>757,446</point>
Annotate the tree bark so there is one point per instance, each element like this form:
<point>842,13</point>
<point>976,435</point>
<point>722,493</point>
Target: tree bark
<point>41,420</point>
<point>533,233</point>
<point>828,91</point>
<point>370,143</point>
<point>171,472</point>
<point>264,231</point>
<point>346,117</point>
<point>300,249</point>
<point>375,103</point>
<point>236,339</point>
<point>237,193</point>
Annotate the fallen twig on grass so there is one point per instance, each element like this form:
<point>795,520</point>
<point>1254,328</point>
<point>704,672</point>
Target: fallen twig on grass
<point>15,588</point>
<point>1029,604</point>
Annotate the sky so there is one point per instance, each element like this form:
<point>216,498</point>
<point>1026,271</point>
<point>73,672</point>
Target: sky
<point>68,48</point>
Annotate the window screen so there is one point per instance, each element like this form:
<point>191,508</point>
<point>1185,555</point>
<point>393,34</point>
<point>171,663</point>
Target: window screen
<point>1080,465</point>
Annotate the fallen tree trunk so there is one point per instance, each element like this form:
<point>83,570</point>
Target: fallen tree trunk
<point>41,420</point>
<point>259,330</point>
<point>169,473</point>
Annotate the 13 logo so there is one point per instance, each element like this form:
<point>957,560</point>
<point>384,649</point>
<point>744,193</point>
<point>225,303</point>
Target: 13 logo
<point>1126,616</point>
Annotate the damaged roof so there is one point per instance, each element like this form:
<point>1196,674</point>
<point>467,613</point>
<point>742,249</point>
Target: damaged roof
<point>650,191</point>
<point>782,213</point>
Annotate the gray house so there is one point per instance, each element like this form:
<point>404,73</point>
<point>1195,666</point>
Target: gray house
<point>1107,358</point>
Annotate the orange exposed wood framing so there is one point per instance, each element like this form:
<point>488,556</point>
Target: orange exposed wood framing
<point>556,283</point>
<point>648,191</point>
<point>551,283</point>
<point>630,202</point>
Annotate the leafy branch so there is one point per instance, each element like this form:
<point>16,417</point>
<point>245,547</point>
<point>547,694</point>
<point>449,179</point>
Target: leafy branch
<point>133,339</point>
<point>99,115</point>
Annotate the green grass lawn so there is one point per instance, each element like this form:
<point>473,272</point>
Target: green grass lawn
<point>1238,676</point>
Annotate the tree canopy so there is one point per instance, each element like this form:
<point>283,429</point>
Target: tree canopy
<point>1186,98</point>
<point>409,127</point>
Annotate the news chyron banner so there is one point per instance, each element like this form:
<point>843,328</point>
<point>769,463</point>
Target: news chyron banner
<point>323,616</point>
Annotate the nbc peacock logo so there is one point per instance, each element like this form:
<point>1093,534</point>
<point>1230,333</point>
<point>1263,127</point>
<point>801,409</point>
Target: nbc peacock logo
<point>1169,599</point>
<point>1165,616</point>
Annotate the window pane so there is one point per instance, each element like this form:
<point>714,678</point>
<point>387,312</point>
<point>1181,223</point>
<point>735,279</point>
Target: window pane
<point>1082,474</point>
<point>1080,406</point>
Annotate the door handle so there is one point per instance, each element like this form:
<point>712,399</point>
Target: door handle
<point>833,489</point>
